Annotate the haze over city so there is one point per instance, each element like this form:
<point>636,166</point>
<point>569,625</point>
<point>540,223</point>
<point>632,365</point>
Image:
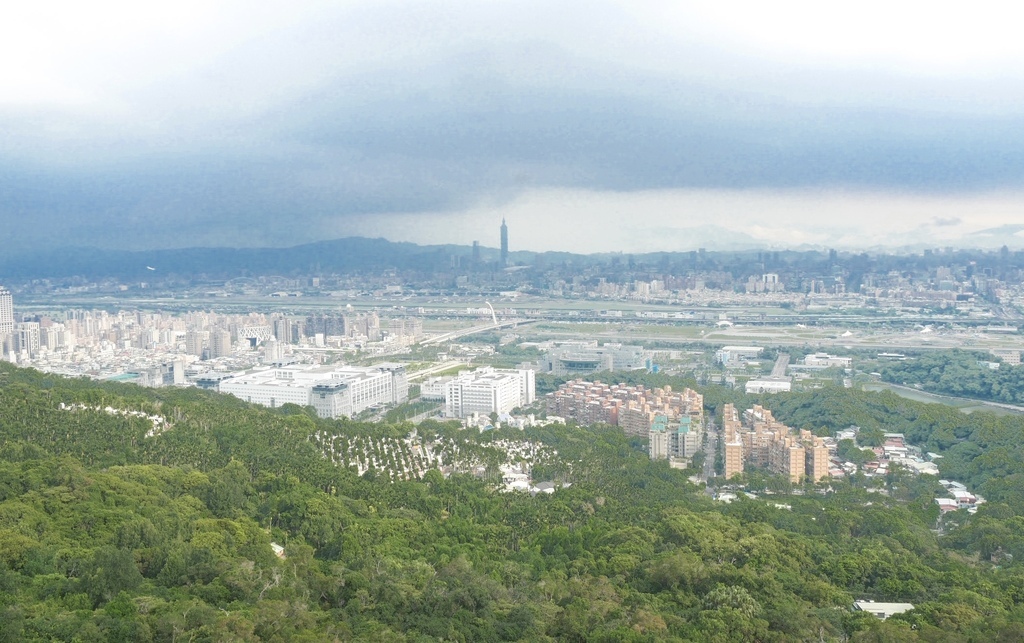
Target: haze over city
<point>591,127</point>
<point>337,320</point>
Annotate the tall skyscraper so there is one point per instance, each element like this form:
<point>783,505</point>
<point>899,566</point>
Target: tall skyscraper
<point>283,330</point>
<point>6,319</point>
<point>504,243</point>
<point>6,312</point>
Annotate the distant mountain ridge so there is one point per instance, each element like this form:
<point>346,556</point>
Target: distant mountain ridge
<point>349,254</point>
<point>345,255</point>
<point>355,255</point>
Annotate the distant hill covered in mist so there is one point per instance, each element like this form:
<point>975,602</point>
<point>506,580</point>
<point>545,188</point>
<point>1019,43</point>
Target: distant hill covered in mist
<point>360,255</point>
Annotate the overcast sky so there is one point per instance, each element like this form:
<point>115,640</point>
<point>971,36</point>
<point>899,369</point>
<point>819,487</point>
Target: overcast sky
<point>590,126</point>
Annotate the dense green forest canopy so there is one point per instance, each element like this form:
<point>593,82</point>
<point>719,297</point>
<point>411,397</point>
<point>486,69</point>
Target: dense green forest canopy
<point>960,373</point>
<point>111,530</point>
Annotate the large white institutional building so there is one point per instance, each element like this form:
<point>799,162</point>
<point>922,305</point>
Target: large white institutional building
<point>334,391</point>
<point>488,390</point>
<point>574,358</point>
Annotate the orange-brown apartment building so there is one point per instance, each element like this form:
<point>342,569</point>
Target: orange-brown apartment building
<point>763,442</point>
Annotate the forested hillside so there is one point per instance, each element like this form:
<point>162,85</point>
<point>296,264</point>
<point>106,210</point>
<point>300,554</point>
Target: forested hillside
<point>116,527</point>
<point>959,373</point>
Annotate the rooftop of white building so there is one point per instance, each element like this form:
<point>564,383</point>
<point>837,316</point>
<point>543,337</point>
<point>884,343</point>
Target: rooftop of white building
<point>304,376</point>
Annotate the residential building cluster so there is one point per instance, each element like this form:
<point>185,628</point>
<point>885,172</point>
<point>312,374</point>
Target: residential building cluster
<point>676,441</point>
<point>896,451</point>
<point>961,498</point>
<point>759,440</point>
<point>162,349</point>
<point>366,326</point>
<point>633,408</point>
<point>768,282</point>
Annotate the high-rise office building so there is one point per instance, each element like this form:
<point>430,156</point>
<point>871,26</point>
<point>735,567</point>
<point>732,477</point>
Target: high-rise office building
<point>6,311</point>
<point>6,318</point>
<point>504,243</point>
<point>283,330</point>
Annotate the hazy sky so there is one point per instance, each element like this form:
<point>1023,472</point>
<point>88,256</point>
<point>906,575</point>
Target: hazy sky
<point>590,126</point>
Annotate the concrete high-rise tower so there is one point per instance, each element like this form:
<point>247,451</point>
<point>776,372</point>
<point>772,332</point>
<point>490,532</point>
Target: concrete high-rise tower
<point>504,243</point>
<point>6,320</point>
<point>220,343</point>
<point>194,342</point>
<point>7,312</point>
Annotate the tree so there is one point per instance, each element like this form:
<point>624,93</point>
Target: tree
<point>113,570</point>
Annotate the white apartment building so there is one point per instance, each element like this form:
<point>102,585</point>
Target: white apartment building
<point>489,390</point>
<point>658,444</point>
<point>334,391</point>
<point>26,339</point>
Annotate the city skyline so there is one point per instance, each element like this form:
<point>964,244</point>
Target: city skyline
<point>512,320</point>
<point>590,127</point>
